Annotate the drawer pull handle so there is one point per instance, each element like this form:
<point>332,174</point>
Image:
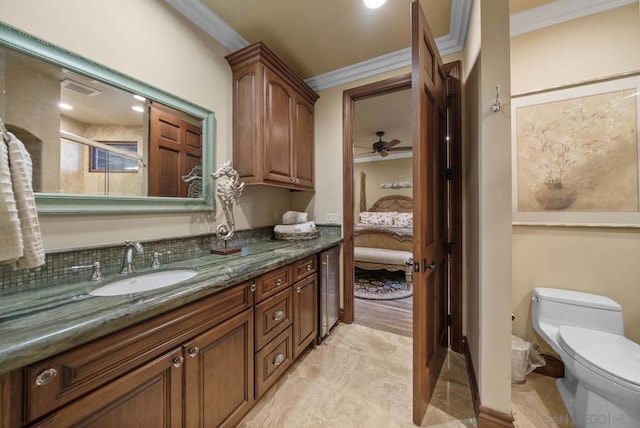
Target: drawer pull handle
<point>298,290</point>
<point>46,376</point>
<point>177,361</point>
<point>278,315</point>
<point>278,281</point>
<point>194,351</point>
<point>252,287</point>
<point>309,266</point>
<point>278,359</point>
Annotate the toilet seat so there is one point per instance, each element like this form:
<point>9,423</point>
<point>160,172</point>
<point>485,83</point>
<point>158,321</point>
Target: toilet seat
<point>594,349</point>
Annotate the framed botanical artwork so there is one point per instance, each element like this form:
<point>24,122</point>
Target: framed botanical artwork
<point>575,154</point>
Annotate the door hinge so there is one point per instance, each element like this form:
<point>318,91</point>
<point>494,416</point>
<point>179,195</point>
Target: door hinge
<point>449,173</point>
<point>449,320</point>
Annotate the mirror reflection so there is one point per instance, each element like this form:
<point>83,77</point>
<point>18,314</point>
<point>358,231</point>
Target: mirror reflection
<point>86,137</point>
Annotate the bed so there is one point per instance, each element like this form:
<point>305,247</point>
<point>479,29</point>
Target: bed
<point>383,239</point>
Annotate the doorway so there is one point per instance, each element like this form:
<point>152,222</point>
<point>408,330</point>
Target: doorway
<point>350,192</point>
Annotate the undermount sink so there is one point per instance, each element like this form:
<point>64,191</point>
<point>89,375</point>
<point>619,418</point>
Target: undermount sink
<point>144,282</point>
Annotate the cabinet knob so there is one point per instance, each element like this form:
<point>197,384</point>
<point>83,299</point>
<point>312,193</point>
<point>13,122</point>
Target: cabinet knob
<point>46,376</point>
<point>278,315</point>
<point>278,281</point>
<point>278,359</point>
<point>252,287</point>
<point>293,180</point>
<point>309,266</point>
<point>298,290</point>
<point>177,361</point>
<point>297,180</point>
<point>194,351</point>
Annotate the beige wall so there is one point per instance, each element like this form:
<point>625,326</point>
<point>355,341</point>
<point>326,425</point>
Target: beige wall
<point>147,33</point>
<point>378,172</point>
<point>596,260</point>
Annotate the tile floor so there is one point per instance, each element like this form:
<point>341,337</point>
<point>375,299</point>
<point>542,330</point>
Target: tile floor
<point>361,377</point>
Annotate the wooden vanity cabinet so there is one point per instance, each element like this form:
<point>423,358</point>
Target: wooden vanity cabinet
<point>272,121</point>
<point>136,370</point>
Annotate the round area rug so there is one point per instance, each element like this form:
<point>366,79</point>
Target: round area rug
<point>380,285</point>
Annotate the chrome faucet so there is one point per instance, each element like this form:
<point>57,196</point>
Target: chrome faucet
<point>130,249</point>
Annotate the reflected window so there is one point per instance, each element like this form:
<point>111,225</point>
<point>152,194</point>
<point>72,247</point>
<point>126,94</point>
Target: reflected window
<point>101,160</point>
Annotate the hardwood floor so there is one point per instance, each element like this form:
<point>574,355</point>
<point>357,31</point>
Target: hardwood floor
<point>393,316</point>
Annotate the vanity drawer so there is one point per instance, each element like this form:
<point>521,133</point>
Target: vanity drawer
<point>272,316</point>
<point>272,282</point>
<point>272,361</point>
<point>305,267</point>
<point>58,380</point>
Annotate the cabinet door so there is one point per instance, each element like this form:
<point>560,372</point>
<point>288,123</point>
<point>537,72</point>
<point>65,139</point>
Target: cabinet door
<point>303,143</point>
<point>219,374</point>
<point>150,396</point>
<point>305,314</point>
<point>278,135</point>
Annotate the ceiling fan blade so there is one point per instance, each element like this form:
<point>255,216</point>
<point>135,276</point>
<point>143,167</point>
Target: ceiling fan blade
<point>383,153</point>
<point>400,149</point>
<point>392,143</point>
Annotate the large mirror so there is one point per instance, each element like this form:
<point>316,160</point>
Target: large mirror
<point>102,142</point>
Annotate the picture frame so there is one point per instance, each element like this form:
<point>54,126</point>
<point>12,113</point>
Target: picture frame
<point>575,154</point>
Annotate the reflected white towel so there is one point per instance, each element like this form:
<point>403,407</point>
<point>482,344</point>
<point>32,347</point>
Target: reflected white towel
<point>21,175</point>
<point>11,247</point>
<point>306,227</point>
<point>294,217</point>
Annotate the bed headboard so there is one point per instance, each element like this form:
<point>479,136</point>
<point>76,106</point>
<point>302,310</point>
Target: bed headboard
<point>398,203</point>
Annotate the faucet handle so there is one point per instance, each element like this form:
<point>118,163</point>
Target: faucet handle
<point>96,275</point>
<point>155,263</point>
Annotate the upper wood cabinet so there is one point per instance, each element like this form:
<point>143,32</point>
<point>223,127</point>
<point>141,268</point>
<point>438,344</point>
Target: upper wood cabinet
<point>272,121</point>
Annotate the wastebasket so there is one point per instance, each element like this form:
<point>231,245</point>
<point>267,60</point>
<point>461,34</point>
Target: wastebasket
<point>525,358</point>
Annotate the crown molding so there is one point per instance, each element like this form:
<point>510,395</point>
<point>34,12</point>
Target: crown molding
<point>203,17</point>
<point>209,22</point>
<point>377,158</point>
<point>559,11</point>
<point>451,43</point>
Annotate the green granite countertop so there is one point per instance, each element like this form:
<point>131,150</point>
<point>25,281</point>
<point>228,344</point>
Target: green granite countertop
<point>39,323</point>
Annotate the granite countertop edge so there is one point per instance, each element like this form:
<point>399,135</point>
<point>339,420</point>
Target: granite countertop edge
<point>37,324</point>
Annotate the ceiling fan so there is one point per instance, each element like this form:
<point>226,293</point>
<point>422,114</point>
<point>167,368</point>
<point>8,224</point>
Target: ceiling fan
<point>383,147</point>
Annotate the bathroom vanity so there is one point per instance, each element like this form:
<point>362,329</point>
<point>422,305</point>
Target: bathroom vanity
<point>199,353</point>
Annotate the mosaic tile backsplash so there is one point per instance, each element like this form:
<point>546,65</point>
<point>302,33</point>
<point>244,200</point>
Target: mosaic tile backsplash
<point>56,267</point>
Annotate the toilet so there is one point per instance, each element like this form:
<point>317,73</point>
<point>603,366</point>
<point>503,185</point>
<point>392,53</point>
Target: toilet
<point>601,386</point>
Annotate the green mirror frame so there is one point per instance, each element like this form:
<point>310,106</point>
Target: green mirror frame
<point>59,203</point>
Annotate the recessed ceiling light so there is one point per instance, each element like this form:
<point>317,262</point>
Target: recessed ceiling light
<point>139,98</point>
<point>374,4</point>
<point>139,109</point>
<point>65,106</point>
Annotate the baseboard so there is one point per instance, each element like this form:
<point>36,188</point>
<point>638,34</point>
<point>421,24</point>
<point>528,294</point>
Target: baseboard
<point>553,368</point>
<point>489,418</point>
<point>471,374</point>
<point>486,417</point>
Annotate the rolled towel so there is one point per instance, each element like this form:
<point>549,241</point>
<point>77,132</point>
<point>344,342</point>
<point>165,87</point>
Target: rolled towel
<point>306,227</point>
<point>294,217</point>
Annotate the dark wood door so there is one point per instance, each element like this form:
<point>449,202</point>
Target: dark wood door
<point>219,374</point>
<point>430,216</point>
<point>278,136</point>
<point>303,143</point>
<point>150,396</point>
<point>175,147</point>
<point>305,314</point>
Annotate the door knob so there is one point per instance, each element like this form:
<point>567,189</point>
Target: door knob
<point>426,265</point>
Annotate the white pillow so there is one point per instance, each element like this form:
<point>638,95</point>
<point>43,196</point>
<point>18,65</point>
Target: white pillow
<point>377,219</point>
<point>403,220</point>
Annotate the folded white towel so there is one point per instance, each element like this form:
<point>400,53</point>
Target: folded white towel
<point>306,227</point>
<point>294,217</point>
<point>11,247</point>
<point>21,175</point>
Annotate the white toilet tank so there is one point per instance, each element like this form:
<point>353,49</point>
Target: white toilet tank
<point>553,307</point>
